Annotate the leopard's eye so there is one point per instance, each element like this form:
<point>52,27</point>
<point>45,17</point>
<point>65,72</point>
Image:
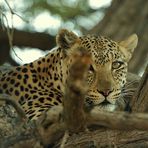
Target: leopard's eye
<point>117,64</point>
<point>91,69</point>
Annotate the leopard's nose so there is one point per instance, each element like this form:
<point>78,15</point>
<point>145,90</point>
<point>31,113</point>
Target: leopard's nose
<point>105,92</point>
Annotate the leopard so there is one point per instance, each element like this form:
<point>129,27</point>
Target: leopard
<point>40,85</point>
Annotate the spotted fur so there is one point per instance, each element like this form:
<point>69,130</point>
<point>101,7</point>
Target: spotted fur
<point>40,85</point>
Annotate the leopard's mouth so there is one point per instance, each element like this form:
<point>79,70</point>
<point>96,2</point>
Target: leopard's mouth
<point>104,103</point>
<point>90,103</point>
<point>105,106</point>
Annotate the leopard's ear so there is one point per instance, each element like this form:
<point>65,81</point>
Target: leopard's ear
<point>65,39</point>
<point>127,46</point>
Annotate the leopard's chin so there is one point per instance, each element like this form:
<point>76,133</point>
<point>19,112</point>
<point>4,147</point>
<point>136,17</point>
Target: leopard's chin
<point>104,107</point>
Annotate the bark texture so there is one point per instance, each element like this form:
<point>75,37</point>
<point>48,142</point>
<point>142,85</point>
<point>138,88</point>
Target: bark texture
<point>122,19</point>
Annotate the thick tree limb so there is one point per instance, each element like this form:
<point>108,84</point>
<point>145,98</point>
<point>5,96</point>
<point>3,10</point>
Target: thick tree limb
<point>42,41</point>
<point>119,120</point>
<point>29,39</point>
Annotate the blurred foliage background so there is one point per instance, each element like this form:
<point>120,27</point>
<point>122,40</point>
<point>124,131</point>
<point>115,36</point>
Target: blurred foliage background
<point>48,16</point>
<point>28,28</point>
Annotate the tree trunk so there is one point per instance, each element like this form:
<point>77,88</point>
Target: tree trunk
<point>122,19</point>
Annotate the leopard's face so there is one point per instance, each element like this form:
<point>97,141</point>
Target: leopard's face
<point>107,73</point>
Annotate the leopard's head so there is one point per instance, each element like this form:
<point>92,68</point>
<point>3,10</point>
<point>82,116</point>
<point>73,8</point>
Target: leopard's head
<point>107,74</point>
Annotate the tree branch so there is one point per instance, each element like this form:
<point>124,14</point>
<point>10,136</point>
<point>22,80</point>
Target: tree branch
<point>75,91</point>
<point>29,39</point>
